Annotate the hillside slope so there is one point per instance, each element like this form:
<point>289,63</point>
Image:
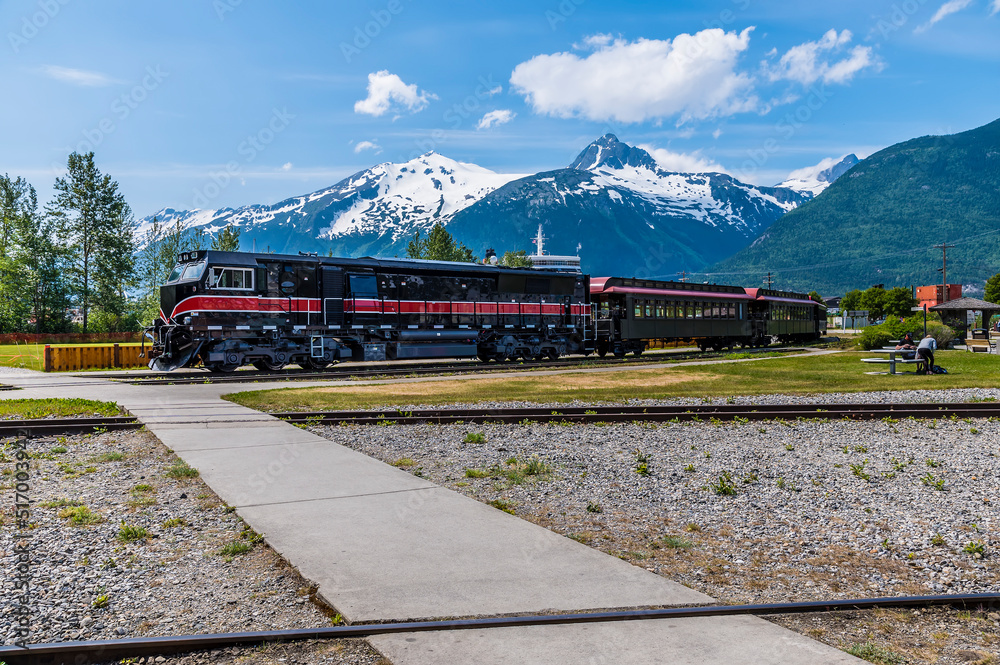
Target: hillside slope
<point>878,224</point>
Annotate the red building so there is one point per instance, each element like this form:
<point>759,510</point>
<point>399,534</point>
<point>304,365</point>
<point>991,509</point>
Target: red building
<point>935,294</point>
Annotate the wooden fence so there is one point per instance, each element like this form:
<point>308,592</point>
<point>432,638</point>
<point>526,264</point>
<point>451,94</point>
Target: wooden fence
<point>75,358</point>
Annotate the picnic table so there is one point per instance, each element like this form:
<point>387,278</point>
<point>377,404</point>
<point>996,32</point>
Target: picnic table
<point>895,356</point>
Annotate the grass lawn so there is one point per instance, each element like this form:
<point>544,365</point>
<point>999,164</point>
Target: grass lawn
<point>839,372</point>
<point>26,409</point>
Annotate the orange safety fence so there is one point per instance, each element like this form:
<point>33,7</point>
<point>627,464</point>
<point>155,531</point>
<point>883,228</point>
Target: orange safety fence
<point>74,358</point>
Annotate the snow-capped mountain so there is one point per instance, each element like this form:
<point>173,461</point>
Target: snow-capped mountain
<point>814,179</point>
<point>628,215</point>
<point>371,211</point>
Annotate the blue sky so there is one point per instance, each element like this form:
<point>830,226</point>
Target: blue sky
<point>228,102</point>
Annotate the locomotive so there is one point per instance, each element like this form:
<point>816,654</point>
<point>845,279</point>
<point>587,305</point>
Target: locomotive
<point>224,310</point>
<point>227,309</point>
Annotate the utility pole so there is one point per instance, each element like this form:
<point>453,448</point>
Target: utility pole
<point>767,280</point>
<point>944,269</point>
<point>683,276</point>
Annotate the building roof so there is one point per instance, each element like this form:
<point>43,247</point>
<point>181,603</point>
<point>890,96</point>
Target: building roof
<point>966,304</point>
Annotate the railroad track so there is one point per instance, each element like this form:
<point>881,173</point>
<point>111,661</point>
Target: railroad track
<point>53,426</point>
<point>82,653</point>
<point>396,370</point>
<point>607,414</point>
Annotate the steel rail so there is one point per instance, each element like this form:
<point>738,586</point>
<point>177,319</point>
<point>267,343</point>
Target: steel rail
<point>721,412</point>
<point>83,652</point>
<point>51,426</point>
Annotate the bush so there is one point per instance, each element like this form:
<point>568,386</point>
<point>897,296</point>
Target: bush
<point>875,337</point>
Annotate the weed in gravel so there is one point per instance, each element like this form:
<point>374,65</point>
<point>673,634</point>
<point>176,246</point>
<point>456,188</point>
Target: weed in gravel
<point>404,462</point>
<point>724,486</point>
<point>973,430</point>
<point>689,468</point>
<point>932,463</point>
<point>861,449</point>
<point>874,653</point>
<point>476,473</point>
<point>143,488</point>
<point>234,548</point>
<point>929,480</point>
<point>594,507</point>
<point>181,470</point>
<point>859,471</point>
<point>112,456</point>
<point>58,450</point>
<point>641,462</point>
<point>787,485</point>
<point>976,548</point>
<point>676,542</point>
<point>500,504</point>
<point>474,437</point>
<point>101,601</point>
<point>128,533</point>
<point>80,516</point>
<point>937,540</point>
<point>750,478</point>
<point>536,467</point>
<point>61,503</point>
<point>692,527</point>
<point>141,501</point>
<point>174,522</point>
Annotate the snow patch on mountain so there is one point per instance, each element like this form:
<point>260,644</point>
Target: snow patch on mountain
<point>812,180</point>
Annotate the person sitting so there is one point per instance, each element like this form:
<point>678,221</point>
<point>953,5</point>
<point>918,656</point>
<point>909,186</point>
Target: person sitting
<point>907,344</point>
<point>925,352</point>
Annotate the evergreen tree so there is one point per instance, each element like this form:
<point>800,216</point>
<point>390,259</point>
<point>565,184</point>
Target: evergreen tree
<point>439,246</point>
<point>992,292</point>
<point>518,259</point>
<point>33,290</point>
<point>98,226</point>
<point>228,239</point>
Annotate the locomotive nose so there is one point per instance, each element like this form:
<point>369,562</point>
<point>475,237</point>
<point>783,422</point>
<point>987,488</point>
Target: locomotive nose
<point>168,298</point>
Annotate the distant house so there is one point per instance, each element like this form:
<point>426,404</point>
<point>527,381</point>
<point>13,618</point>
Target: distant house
<point>935,294</point>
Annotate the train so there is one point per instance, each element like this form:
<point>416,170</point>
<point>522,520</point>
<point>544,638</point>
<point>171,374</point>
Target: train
<point>224,310</point>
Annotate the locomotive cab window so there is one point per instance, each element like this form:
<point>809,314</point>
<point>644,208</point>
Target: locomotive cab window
<point>231,278</point>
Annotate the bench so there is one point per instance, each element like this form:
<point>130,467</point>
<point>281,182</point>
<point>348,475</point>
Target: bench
<point>892,362</point>
<point>979,345</point>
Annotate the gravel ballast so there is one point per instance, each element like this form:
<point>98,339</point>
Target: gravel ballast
<point>757,512</point>
<point>184,575</point>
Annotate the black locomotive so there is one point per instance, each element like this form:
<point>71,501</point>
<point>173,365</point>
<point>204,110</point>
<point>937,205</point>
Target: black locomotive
<point>227,309</point>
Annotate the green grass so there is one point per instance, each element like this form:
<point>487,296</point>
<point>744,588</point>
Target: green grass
<point>80,516</point>
<point>28,409</point>
<point>32,356</point>
<point>837,372</point>
<point>112,456</point>
<point>235,547</point>
<point>182,470</point>
<point>61,503</point>
<point>874,653</point>
<point>129,533</point>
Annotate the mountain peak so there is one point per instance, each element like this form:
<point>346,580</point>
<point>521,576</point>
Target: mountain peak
<point>609,151</point>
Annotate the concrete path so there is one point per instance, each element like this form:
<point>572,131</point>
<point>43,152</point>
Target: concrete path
<point>382,544</point>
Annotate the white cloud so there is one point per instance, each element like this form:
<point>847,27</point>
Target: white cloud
<point>809,172</point>
<point>680,162</point>
<point>79,77</point>
<point>995,7</point>
<point>496,118</point>
<point>691,76</point>
<point>947,9</point>
<point>367,145</point>
<point>287,166</point>
<point>717,133</point>
<point>806,63</point>
<point>387,91</point>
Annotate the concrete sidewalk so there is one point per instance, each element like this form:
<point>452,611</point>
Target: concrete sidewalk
<point>383,544</point>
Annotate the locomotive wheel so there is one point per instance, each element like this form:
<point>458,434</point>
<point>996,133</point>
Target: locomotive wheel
<point>221,368</point>
<point>637,352</point>
<point>619,353</point>
<point>316,365</point>
<point>553,354</point>
<point>602,350</point>
<point>268,366</point>
<point>485,357</point>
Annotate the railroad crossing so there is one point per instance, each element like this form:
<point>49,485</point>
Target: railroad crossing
<point>384,545</point>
